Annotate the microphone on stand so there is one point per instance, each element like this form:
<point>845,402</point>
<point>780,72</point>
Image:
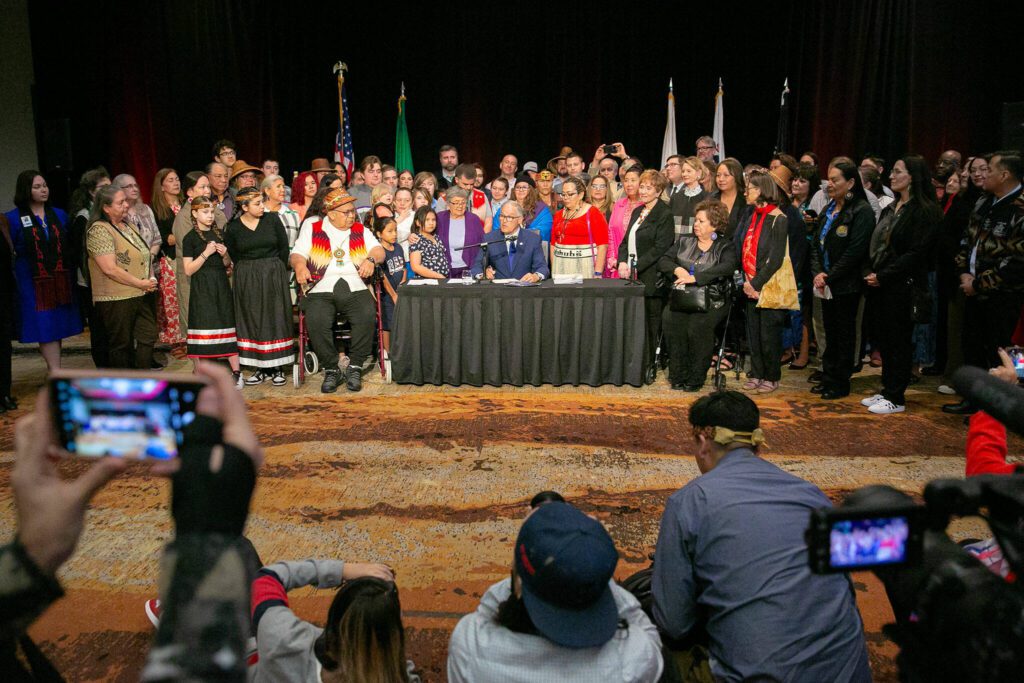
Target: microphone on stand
<point>632,271</point>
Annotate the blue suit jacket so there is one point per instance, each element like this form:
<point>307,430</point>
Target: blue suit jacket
<point>527,256</point>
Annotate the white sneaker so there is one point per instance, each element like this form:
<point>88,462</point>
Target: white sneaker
<point>946,389</point>
<point>886,407</point>
<point>871,400</point>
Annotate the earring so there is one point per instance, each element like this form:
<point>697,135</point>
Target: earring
<point>714,236</point>
<point>849,196</point>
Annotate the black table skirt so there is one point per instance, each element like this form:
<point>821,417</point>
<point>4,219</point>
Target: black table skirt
<point>591,333</point>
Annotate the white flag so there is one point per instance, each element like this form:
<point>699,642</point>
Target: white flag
<point>668,147</point>
<point>719,128</point>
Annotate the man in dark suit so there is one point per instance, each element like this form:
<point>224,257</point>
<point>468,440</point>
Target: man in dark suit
<point>449,158</point>
<point>515,252</point>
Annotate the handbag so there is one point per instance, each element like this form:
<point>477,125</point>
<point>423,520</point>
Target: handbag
<point>689,298</point>
<point>780,290</point>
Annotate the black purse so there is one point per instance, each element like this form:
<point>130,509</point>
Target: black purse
<point>689,298</point>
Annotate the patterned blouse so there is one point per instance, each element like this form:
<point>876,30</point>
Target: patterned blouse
<point>141,216</point>
<point>290,219</point>
<point>433,254</point>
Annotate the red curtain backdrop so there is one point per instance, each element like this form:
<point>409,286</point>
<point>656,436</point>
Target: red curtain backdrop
<point>147,85</point>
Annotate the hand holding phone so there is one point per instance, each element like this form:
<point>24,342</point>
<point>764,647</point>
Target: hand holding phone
<point>50,508</point>
<point>125,414</point>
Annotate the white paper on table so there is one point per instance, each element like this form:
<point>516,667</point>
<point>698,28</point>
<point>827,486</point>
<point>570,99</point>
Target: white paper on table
<point>418,281</point>
<point>504,281</point>
<point>823,293</point>
<point>568,279</point>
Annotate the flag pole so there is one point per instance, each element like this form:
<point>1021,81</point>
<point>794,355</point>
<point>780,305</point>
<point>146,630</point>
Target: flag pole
<point>668,145</point>
<point>718,127</point>
<point>339,70</point>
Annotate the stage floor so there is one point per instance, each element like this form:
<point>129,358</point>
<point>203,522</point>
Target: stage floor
<point>435,482</point>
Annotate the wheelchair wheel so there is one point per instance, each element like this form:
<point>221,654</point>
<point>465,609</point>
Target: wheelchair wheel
<point>719,381</point>
<point>650,374</point>
<point>387,369</point>
<point>310,363</point>
<point>297,375</point>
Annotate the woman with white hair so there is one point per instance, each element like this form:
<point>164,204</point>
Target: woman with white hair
<point>274,189</point>
<point>139,215</point>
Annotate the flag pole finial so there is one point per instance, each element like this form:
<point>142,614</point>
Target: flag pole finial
<point>670,85</point>
<point>403,88</point>
<point>719,82</point>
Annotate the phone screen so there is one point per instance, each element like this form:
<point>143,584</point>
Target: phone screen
<point>855,543</point>
<point>127,417</point>
<point>1016,354</point>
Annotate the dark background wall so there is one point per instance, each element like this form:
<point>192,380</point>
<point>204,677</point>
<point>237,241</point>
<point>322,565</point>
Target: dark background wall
<point>145,85</point>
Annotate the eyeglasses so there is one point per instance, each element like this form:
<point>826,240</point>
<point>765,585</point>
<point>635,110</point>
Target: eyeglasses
<point>703,148</point>
<point>457,202</point>
<point>569,194</point>
<point>509,218</point>
<point>595,186</point>
<point>674,163</point>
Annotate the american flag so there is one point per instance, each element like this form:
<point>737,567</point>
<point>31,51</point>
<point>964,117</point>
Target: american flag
<point>343,150</point>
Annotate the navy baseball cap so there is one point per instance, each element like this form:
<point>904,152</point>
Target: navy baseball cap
<point>565,561</point>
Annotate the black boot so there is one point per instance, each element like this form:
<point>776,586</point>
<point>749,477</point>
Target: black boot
<point>9,403</point>
<point>354,378</point>
<point>331,379</point>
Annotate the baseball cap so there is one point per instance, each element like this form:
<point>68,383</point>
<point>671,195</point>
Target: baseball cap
<point>565,561</point>
<point>530,166</point>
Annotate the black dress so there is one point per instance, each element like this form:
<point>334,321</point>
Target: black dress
<point>211,311</point>
<point>263,301</point>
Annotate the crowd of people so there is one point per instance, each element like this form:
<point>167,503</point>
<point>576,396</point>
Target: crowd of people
<point>560,614</point>
<point>730,595</point>
<point>916,268</point>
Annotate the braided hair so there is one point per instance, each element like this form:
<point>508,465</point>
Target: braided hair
<point>200,203</point>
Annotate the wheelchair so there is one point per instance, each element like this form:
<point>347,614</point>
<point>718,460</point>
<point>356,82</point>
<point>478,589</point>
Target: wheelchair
<point>307,362</point>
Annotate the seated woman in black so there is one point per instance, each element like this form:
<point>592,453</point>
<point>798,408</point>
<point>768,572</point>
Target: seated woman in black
<point>703,259</point>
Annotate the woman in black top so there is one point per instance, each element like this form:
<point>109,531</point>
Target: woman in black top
<point>761,240</point>
<point>906,233</point>
<point>684,200</point>
<point>258,245</point>
<point>731,190</point>
<point>705,259</point>
<point>839,253</point>
<point>648,236</point>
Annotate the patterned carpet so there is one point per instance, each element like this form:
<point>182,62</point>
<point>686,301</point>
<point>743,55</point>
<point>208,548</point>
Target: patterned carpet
<point>435,482</point>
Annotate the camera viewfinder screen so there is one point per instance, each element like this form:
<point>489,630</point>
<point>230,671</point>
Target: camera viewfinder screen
<point>867,542</point>
<point>124,417</point>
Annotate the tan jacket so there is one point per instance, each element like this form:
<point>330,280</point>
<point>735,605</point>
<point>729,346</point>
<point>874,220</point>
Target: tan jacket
<point>131,253</point>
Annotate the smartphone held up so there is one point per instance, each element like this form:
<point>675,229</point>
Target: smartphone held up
<point>126,414</point>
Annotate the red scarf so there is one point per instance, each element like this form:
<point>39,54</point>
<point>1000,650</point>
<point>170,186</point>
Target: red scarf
<point>753,237</point>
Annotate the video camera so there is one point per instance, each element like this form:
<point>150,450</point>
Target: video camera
<point>956,619</point>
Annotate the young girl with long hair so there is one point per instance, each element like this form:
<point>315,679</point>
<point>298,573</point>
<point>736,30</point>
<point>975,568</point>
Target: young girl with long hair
<point>386,231</point>
<point>211,310</point>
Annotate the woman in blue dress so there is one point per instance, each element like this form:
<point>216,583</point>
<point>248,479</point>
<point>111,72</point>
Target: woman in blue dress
<point>45,262</point>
